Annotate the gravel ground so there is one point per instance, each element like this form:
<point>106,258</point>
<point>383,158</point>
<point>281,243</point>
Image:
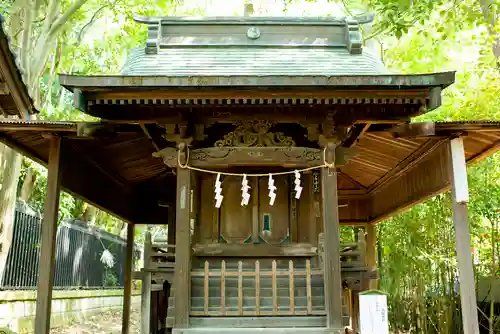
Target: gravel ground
<point>109,322</point>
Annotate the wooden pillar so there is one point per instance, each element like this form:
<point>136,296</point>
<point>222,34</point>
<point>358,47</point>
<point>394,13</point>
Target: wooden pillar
<point>146,286</point>
<point>255,210</point>
<point>371,253</point>
<point>48,242</point>
<point>127,284</point>
<point>171,226</point>
<point>460,198</point>
<point>182,277</point>
<point>332,276</point>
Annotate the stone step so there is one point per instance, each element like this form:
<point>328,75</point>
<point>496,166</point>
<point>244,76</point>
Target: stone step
<point>244,323</point>
<point>275,320</point>
<point>249,322</point>
<point>275,330</point>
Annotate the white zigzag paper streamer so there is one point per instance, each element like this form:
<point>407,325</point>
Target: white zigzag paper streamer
<point>298,188</point>
<point>244,191</point>
<point>218,192</point>
<point>272,188</point>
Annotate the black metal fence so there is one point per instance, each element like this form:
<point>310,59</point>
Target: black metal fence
<point>79,249</point>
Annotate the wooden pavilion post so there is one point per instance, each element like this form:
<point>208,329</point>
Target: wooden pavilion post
<point>182,276</point>
<point>332,275</point>
<point>48,242</point>
<point>460,198</point>
<point>127,284</point>
<point>371,253</point>
<point>146,286</point>
<point>171,225</point>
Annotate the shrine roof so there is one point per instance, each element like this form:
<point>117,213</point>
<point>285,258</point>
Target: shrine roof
<point>253,52</point>
<point>14,97</point>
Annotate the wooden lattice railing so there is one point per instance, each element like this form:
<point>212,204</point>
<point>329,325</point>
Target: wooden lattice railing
<point>292,273</point>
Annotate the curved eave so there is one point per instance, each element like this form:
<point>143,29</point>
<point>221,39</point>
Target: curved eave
<point>384,81</point>
<point>12,78</point>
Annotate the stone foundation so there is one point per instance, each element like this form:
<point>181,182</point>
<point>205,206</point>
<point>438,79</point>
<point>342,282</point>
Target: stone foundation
<point>18,308</point>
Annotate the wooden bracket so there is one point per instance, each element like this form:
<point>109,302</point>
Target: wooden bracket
<point>223,157</point>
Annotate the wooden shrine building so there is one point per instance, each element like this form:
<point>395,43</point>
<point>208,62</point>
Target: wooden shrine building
<point>249,112</point>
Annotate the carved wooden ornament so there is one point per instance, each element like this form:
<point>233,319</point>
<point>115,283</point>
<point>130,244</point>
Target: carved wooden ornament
<point>254,133</point>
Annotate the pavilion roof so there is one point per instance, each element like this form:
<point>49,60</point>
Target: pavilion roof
<point>14,97</point>
<point>112,165</point>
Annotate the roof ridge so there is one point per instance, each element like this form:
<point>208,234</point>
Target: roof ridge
<point>261,20</point>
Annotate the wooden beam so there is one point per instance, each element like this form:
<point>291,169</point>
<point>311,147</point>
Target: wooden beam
<point>223,157</point>
<point>4,90</point>
<point>332,273</point>
<point>127,284</point>
<point>458,177</point>
<point>182,278</point>
<point>255,250</point>
<point>48,242</point>
<point>357,131</point>
<point>410,130</point>
<point>347,114</point>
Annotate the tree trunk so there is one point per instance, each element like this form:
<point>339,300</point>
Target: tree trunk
<point>28,185</point>
<point>89,214</point>
<point>491,320</point>
<point>10,177</point>
<point>490,15</point>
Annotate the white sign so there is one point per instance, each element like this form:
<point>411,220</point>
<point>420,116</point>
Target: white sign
<point>373,314</point>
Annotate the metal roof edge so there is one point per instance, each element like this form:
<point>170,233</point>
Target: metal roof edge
<point>13,75</point>
<point>40,125</point>
<point>438,79</point>
<point>260,20</point>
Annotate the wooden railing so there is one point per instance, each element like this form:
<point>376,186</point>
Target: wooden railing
<point>159,266</point>
<point>257,274</point>
<point>352,255</point>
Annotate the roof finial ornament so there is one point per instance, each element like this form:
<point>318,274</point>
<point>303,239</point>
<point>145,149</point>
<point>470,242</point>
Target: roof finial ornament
<point>353,36</point>
<point>154,37</point>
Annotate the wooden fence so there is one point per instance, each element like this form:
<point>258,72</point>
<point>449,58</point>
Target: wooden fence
<point>257,274</point>
<point>78,256</point>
